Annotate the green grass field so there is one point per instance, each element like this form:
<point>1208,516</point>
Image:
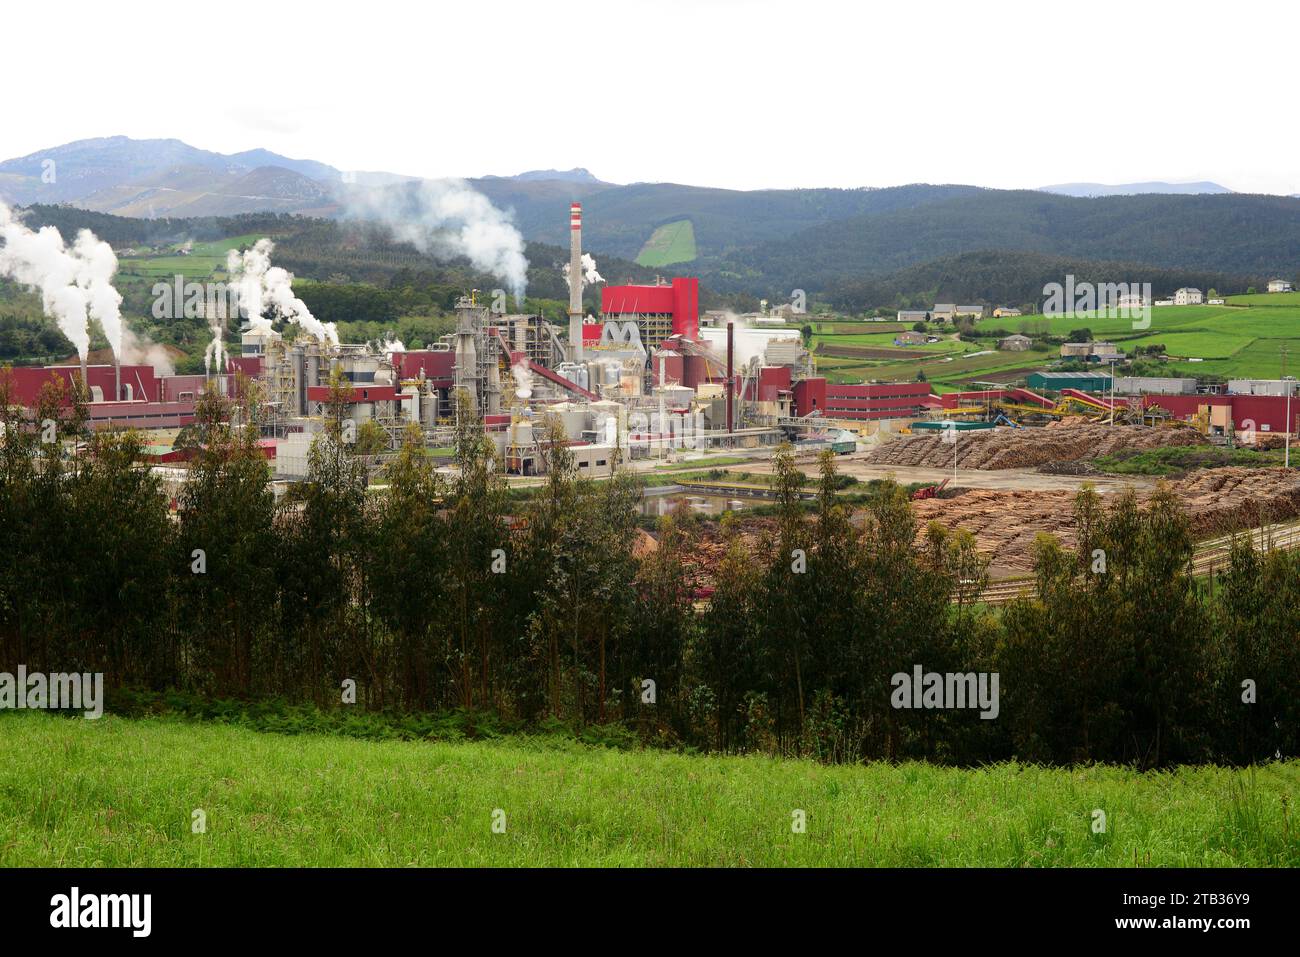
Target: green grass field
<point>712,461</point>
<point>1225,341</point>
<point>204,260</point>
<point>1163,319</point>
<point>1178,460</point>
<point>885,340</point>
<point>121,792</point>
<point>1203,344</point>
<point>670,243</point>
<point>1266,299</point>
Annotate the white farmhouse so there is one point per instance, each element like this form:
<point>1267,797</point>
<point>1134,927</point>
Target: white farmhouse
<point>1187,296</point>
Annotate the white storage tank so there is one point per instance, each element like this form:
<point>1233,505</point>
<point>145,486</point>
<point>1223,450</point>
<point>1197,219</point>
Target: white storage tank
<point>572,416</point>
<point>411,404</point>
<point>575,372</point>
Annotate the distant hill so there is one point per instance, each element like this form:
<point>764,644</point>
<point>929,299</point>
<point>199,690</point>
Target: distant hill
<point>199,191</point>
<point>575,175</point>
<point>1234,233</point>
<point>753,243</point>
<point>1132,189</point>
<point>82,168</point>
<point>254,159</point>
<point>620,219</point>
<point>1004,277</point>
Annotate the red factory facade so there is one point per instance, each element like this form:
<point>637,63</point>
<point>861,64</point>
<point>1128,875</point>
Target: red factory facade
<point>1264,413</point>
<point>659,311</point>
<point>148,400</point>
<point>892,400</point>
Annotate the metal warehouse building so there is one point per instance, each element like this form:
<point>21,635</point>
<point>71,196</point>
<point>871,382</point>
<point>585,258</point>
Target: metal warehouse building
<point>1154,385</point>
<point>1056,381</point>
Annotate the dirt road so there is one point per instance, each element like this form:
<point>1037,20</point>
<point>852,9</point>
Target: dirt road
<point>1017,479</point>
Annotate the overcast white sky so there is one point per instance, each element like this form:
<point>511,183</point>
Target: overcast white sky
<point>739,93</point>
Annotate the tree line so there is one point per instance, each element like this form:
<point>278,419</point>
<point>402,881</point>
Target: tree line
<point>442,593</point>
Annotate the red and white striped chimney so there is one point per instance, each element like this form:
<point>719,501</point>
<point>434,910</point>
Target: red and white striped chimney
<point>575,281</point>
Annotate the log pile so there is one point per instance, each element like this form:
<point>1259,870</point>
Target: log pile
<point>1026,448</point>
<point>1006,522</point>
<point>1217,501</point>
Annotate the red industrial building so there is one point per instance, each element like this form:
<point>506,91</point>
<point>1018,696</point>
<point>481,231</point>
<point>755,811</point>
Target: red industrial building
<point>891,400</point>
<point>951,400</point>
<point>148,401</point>
<point>1263,413</point>
<point>810,396</point>
<point>437,366</point>
<point>659,311</point>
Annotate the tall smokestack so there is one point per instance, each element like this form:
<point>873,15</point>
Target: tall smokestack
<point>117,379</point>
<point>84,384</point>
<point>575,282</point>
<point>663,409</point>
<point>731,377</point>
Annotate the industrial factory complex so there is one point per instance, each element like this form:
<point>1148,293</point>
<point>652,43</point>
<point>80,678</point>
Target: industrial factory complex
<point>639,380</point>
<point>643,379</point>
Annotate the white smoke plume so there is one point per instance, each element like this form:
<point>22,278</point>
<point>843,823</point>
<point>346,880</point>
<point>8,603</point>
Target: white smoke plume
<point>448,217</point>
<point>214,356</point>
<point>750,344</point>
<point>389,346</point>
<point>589,274</point>
<point>143,351</point>
<point>98,265</point>
<point>261,286</point>
<point>75,284</point>
<point>523,380</point>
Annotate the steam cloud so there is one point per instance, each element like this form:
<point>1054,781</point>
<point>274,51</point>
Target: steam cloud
<point>589,274</point>
<point>214,355</point>
<point>750,344</point>
<point>75,283</point>
<point>523,380</point>
<point>447,218</point>
<point>138,350</point>
<point>261,286</point>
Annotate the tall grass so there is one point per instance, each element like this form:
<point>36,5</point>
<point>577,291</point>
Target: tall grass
<point>121,792</point>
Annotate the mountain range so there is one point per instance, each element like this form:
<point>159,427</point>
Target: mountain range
<point>1133,189</point>
<point>761,243</point>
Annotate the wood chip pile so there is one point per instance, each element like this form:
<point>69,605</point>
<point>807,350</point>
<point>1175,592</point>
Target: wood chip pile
<point>1028,447</point>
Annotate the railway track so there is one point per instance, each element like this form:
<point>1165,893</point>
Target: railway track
<point>1209,557</point>
<point>1004,590</point>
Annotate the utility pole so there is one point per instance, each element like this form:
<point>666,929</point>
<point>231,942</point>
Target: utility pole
<point>1286,385</point>
<point>1112,391</point>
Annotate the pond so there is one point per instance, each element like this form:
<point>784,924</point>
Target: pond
<point>663,501</point>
